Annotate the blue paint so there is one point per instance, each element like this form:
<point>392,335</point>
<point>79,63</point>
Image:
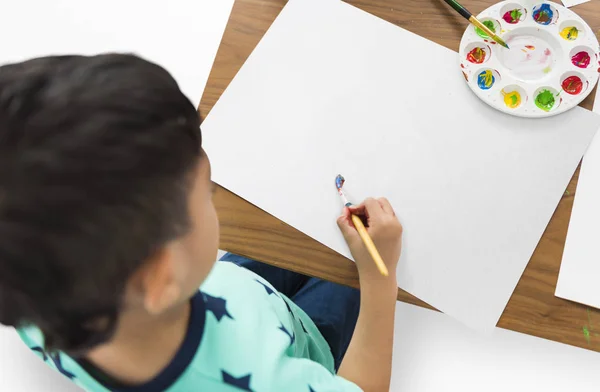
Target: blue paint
<point>543,14</point>
<point>339,181</point>
<point>486,79</point>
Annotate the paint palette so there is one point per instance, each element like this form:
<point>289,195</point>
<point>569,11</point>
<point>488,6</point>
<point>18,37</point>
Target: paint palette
<point>551,66</point>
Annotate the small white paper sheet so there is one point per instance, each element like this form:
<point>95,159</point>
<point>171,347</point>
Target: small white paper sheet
<point>433,353</point>
<point>572,3</point>
<point>580,267</point>
<point>183,36</point>
<point>331,89</point>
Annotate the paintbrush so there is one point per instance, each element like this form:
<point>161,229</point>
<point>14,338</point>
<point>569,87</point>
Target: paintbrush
<point>362,231</point>
<point>475,22</point>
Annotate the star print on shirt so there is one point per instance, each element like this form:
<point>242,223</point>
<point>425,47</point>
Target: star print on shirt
<point>302,324</point>
<point>288,306</point>
<point>267,288</point>
<point>41,351</point>
<point>292,336</point>
<point>56,360</point>
<point>218,306</point>
<point>242,383</point>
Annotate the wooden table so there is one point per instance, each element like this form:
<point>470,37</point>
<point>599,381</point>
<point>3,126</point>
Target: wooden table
<point>249,231</point>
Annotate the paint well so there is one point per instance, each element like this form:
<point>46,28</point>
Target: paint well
<point>544,14</point>
<point>477,55</point>
<point>490,25</point>
<point>570,33</point>
<point>530,57</point>
<point>545,100</point>
<point>486,79</point>
<point>512,99</point>
<point>572,85</point>
<point>513,16</point>
<point>581,59</point>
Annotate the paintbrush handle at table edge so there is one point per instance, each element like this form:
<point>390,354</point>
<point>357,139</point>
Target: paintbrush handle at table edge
<point>368,241</point>
<point>459,8</point>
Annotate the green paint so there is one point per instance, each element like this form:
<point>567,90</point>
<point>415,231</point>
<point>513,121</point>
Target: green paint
<point>490,25</point>
<point>545,100</point>
<point>516,14</point>
<point>547,69</point>
<point>586,334</point>
<point>567,193</point>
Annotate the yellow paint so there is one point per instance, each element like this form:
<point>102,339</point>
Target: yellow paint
<point>570,33</point>
<point>512,99</point>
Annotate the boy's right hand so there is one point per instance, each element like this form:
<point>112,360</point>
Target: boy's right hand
<point>385,230</point>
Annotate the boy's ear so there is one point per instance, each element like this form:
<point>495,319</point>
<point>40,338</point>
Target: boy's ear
<point>160,286</point>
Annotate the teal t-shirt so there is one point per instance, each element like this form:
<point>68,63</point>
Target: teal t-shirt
<point>243,335</point>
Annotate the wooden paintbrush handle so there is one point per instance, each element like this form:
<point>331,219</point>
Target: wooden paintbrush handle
<point>368,241</point>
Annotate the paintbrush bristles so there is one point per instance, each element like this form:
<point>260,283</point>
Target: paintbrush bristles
<point>487,31</point>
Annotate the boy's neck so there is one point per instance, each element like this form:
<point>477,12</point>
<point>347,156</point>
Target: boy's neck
<point>142,346</point>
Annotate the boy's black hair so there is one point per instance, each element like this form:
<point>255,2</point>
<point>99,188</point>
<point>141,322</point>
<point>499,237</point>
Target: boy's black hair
<point>96,162</point>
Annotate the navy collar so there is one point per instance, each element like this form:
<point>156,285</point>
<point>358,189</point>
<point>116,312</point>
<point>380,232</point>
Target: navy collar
<point>182,360</point>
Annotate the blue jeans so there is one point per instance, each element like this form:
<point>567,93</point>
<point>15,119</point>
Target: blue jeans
<point>332,307</point>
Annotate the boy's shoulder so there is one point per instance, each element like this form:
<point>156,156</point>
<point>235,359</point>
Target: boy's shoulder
<point>248,330</point>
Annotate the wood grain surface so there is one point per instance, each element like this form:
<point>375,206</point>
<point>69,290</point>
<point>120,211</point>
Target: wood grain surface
<point>245,229</point>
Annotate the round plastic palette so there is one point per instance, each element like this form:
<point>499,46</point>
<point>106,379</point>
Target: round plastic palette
<point>551,66</point>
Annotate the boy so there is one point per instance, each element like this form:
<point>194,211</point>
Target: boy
<point>107,229</point>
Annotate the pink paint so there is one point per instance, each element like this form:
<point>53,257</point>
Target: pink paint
<point>547,54</point>
<point>581,59</point>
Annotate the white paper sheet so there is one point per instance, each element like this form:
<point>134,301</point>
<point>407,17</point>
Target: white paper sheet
<point>572,3</point>
<point>580,266</point>
<point>331,89</point>
<point>433,353</point>
<point>181,35</point>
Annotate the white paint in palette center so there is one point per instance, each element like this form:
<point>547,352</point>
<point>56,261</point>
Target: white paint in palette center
<point>529,58</point>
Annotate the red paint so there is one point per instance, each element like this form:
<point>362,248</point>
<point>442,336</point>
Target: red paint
<point>530,47</point>
<point>581,59</point>
<point>572,85</point>
<point>476,56</point>
<point>509,17</point>
<point>547,52</point>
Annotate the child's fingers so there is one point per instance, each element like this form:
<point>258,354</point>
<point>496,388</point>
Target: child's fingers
<point>386,206</point>
<point>360,210</point>
<point>345,224</point>
<point>373,209</point>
